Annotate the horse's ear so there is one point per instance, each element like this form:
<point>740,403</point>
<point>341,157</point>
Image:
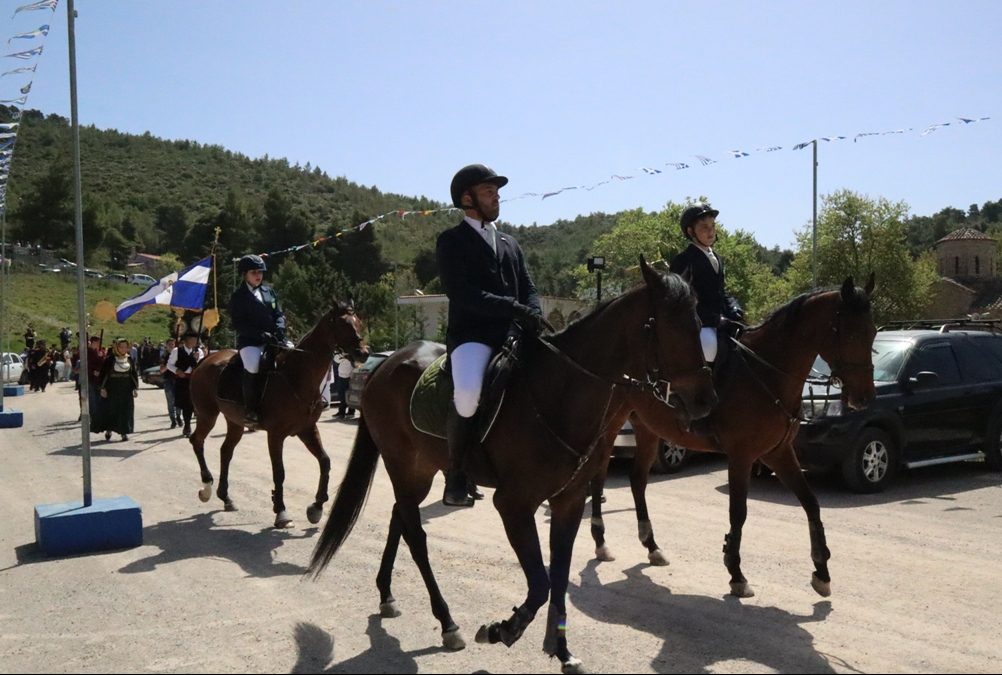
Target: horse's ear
<point>650,276</point>
<point>848,289</point>
<point>870,283</point>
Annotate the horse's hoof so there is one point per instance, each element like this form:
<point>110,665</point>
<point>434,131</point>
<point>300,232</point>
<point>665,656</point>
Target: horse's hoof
<point>453,640</point>
<point>283,520</point>
<point>824,588</point>
<point>657,557</point>
<point>604,554</point>
<point>741,589</point>
<point>388,610</point>
<point>205,494</point>
<point>313,513</point>
<point>573,665</point>
<point>230,506</point>
<point>481,636</point>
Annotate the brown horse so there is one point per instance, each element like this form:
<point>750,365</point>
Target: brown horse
<point>558,404</point>
<point>759,414</point>
<point>291,406</point>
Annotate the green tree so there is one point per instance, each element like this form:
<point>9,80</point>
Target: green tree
<point>858,235</point>
<point>45,213</point>
<point>172,223</point>
<point>284,226</point>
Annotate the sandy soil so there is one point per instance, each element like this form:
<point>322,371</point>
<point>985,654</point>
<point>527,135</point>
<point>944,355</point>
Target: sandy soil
<point>914,571</point>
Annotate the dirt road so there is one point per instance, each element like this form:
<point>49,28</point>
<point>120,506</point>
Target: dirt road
<point>915,571</point>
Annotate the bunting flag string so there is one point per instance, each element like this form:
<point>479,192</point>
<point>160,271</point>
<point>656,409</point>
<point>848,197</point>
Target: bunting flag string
<point>10,127</point>
<point>647,170</point>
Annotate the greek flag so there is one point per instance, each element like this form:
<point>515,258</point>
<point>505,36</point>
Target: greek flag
<point>40,31</point>
<point>41,4</point>
<point>184,289</point>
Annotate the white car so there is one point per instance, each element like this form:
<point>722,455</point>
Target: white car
<point>11,367</point>
<point>141,279</point>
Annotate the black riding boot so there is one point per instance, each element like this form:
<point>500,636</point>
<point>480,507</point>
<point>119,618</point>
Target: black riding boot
<point>459,431</point>
<point>252,396</point>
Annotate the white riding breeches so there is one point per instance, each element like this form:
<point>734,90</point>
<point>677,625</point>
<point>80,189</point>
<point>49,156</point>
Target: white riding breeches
<point>708,338</point>
<point>251,357</point>
<point>469,364</point>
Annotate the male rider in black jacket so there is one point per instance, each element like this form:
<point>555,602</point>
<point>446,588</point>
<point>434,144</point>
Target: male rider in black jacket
<point>488,285</point>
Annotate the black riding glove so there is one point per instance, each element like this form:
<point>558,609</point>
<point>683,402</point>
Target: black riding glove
<point>529,318</point>
<point>730,327</point>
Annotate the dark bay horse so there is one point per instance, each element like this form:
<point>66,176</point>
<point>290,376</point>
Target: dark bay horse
<point>758,416</point>
<point>558,405</point>
<point>291,406</point>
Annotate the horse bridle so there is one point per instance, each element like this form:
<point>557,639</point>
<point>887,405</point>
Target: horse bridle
<point>838,364</point>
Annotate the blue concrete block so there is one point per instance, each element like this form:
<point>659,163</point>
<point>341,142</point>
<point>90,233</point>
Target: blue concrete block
<point>67,529</point>
<point>11,419</point>
<point>14,390</point>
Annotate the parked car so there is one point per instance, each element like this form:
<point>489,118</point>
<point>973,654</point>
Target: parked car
<point>670,458</point>
<point>115,276</point>
<point>153,376</point>
<point>11,367</point>
<point>360,376</point>
<point>141,279</point>
<point>93,273</point>
<point>938,399</point>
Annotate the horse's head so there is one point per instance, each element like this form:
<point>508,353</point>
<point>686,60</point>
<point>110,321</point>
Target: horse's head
<point>342,330</point>
<point>849,347</point>
<point>673,351</point>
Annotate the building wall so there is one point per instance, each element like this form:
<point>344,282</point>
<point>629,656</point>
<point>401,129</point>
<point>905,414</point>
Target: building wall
<point>975,258</point>
<point>949,301</point>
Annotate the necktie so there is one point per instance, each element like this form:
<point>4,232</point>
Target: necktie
<point>490,235</point>
<point>713,261</point>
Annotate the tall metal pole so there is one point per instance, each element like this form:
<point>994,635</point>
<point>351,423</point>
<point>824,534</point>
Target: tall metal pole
<point>4,261</point>
<point>814,220</point>
<point>81,301</point>
<point>598,287</point>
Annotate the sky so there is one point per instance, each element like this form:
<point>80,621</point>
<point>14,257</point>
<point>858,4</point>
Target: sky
<point>400,95</point>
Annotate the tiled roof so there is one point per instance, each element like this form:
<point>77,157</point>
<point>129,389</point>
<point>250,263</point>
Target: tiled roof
<point>966,234</point>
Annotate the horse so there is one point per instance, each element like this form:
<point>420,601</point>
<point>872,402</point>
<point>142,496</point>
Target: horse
<point>291,405</point>
<point>758,416</point>
<point>557,406</point>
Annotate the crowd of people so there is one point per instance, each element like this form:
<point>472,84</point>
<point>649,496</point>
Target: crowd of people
<point>116,371</point>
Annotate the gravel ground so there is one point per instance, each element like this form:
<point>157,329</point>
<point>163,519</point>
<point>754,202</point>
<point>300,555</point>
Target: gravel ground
<point>914,571</point>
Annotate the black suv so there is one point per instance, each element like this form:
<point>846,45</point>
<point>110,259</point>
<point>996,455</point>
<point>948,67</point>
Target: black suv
<point>939,399</point>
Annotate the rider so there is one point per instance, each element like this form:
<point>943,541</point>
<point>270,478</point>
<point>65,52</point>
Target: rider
<point>258,321</point>
<point>717,309</point>
<point>488,285</point>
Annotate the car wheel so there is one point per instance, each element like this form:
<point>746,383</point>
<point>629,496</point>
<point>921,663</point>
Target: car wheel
<point>670,458</point>
<point>872,462</point>
<point>993,442</point>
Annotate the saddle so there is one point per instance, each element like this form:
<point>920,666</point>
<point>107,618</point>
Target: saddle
<point>432,395</point>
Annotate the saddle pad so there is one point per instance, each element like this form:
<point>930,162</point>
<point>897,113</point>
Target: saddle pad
<point>230,385</point>
<point>432,398</point>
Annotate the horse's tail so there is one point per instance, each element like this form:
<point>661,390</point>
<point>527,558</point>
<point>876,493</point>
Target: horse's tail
<point>350,500</point>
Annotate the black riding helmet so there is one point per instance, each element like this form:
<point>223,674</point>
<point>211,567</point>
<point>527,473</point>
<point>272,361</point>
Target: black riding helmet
<point>251,262</point>
<point>471,175</point>
<point>692,214</point>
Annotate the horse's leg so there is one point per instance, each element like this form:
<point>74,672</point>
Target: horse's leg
<point>234,432</point>
<point>417,541</point>
<point>387,604</point>
<point>564,523</point>
<point>643,460</point>
<point>275,443</point>
<point>520,526</point>
<point>597,485</point>
<point>784,462</point>
<point>311,439</point>
<point>738,478</point>
<point>206,421</point>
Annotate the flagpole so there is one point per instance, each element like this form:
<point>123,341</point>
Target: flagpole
<point>84,374</point>
<point>814,220</point>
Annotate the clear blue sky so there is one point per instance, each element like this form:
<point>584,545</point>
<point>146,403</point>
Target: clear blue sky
<point>401,94</point>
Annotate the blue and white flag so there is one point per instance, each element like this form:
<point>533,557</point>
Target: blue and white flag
<point>184,289</point>
<point>41,30</point>
<point>25,55</point>
<point>23,69</point>
<point>41,4</point>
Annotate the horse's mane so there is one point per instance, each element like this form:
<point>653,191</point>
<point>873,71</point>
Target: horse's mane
<point>677,291</point>
<point>787,314</point>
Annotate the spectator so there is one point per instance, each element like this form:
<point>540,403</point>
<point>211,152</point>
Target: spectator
<point>345,367</point>
<point>169,382</point>
<point>119,387</point>
<point>64,338</point>
<point>29,338</point>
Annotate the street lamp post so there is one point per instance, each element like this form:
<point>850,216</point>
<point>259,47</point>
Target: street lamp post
<point>597,264</point>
